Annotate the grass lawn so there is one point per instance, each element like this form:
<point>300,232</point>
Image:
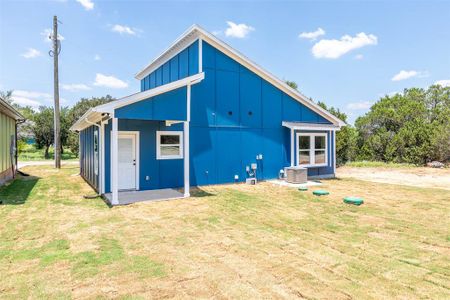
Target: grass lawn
<point>234,241</point>
<point>31,153</point>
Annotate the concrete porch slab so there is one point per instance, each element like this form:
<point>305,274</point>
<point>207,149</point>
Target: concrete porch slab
<point>294,185</point>
<point>130,197</point>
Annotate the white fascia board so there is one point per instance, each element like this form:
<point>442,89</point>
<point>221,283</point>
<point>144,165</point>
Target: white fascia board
<point>181,43</point>
<point>310,126</point>
<point>196,32</point>
<point>86,120</point>
<point>111,106</point>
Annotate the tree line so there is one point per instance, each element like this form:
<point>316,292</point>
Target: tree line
<point>409,127</point>
<point>39,123</point>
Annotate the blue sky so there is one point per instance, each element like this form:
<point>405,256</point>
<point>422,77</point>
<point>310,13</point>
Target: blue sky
<point>346,54</point>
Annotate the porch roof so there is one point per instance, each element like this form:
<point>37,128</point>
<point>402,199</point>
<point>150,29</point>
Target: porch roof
<point>95,114</point>
<point>309,126</point>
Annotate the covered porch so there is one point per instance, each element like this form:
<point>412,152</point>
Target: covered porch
<point>130,197</point>
<point>134,162</point>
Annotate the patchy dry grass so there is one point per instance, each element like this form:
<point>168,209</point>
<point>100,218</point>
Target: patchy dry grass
<point>234,241</point>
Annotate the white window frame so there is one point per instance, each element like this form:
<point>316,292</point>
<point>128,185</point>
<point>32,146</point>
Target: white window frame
<point>158,144</point>
<point>312,149</point>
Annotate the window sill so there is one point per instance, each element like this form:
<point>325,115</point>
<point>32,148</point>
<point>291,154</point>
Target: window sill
<point>169,157</point>
<point>314,166</point>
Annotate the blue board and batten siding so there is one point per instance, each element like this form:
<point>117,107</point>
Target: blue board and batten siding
<point>87,156</point>
<point>235,116</point>
<point>182,65</point>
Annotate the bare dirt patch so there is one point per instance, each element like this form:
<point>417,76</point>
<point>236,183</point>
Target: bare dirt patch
<point>419,177</point>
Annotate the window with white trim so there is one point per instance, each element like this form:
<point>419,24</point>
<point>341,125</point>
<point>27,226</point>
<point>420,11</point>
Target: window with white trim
<point>169,144</point>
<point>312,149</point>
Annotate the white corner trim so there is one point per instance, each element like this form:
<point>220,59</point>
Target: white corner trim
<point>114,162</point>
<point>186,160</point>
<point>200,55</point>
<point>292,147</point>
<point>312,149</point>
<point>158,144</point>
<point>334,151</point>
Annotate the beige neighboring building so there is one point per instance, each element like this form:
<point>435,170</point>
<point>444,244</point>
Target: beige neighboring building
<point>9,117</point>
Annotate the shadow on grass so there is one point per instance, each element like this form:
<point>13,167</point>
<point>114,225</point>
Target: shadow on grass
<point>198,192</point>
<point>18,191</point>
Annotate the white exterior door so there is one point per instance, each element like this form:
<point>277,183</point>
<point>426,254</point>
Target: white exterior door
<point>127,162</point>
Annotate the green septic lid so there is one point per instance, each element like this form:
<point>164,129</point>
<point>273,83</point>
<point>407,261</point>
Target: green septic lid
<point>353,200</point>
<point>303,188</point>
<point>321,193</point>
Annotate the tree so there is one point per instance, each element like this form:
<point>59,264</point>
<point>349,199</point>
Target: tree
<point>7,96</point>
<point>292,84</point>
<point>69,117</point>
<point>43,128</point>
<point>346,137</point>
<point>412,127</point>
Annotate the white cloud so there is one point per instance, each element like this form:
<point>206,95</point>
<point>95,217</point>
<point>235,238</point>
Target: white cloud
<point>402,75</point>
<point>122,29</point>
<point>312,35</point>
<point>238,30</point>
<point>87,4</point>
<point>31,98</point>
<point>362,105</point>
<point>359,56</point>
<point>31,53</point>
<point>109,81</point>
<point>336,48</point>
<point>443,83</point>
<point>48,34</point>
<point>75,87</point>
<point>97,57</point>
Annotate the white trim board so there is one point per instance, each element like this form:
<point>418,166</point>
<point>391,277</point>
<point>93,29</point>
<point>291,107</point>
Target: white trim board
<point>196,32</point>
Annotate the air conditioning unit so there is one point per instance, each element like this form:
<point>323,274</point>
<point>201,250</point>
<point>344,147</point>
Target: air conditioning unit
<point>296,174</point>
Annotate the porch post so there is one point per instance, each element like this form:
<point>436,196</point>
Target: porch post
<point>102,157</point>
<point>333,132</point>
<point>114,162</point>
<point>292,147</point>
<point>186,143</point>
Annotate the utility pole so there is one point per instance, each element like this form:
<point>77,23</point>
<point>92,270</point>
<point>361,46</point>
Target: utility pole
<point>57,131</point>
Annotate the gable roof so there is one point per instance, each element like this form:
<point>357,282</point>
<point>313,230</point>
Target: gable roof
<point>9,110</point>
<point>195,32</point>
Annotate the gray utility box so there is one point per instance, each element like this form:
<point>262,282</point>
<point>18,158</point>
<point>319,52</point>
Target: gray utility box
<point>296,174</point>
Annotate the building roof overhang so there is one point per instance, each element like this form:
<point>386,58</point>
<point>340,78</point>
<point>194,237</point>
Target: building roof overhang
<point>95,114</point>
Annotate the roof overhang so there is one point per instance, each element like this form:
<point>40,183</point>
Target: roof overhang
<point>310,126</point>
<point>95,114</point>
<point>10,111</point>
<point>195,32</point>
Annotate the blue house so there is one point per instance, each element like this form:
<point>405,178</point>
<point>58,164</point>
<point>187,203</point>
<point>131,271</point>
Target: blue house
<point>205,115</point>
